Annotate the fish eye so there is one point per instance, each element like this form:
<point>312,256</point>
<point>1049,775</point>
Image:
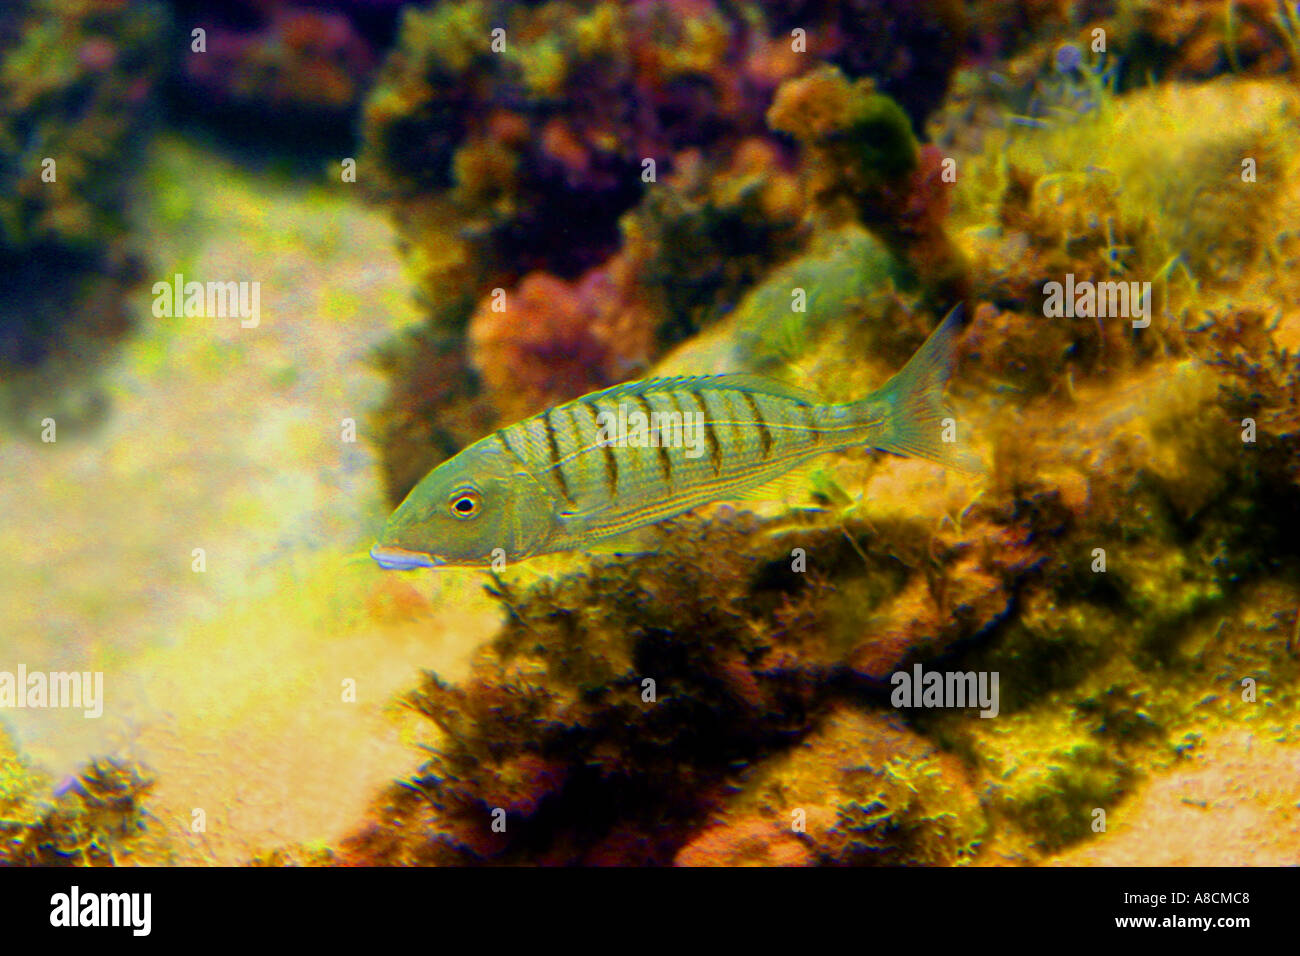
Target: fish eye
<point>465,503</point>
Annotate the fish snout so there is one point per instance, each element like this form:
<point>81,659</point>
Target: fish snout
<point>399,559</point>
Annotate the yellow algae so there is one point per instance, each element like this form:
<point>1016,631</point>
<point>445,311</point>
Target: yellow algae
<point>1174,188</point>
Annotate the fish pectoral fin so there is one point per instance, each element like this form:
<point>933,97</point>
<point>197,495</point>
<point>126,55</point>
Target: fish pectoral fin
<point>643,540</point>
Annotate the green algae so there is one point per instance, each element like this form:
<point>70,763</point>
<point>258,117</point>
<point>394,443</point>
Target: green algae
<point>1054,794</point>
<point>77,85</point>
<point>1135,192</point>
<point>796,306</point>
<point>870,793</point>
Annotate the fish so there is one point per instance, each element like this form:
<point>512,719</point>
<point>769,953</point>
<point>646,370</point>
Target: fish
<point>572,477</point>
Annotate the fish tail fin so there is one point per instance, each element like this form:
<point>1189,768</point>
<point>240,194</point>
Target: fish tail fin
<point>915,421</point>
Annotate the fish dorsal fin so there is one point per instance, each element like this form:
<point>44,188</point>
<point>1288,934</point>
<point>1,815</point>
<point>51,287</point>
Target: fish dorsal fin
<point>768,386</point>
<point>736,382</point>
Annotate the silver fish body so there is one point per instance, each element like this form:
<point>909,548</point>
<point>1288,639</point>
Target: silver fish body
<point>587,470</point>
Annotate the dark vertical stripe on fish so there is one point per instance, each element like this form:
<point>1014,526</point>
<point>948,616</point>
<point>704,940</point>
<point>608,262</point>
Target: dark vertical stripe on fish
<point>554,445</point>
<point>737,435</point>
<point>578,455</point>
<point>715,450</point>
<point>611,462</point>
<point>764,433</point>
<point>665,464</point>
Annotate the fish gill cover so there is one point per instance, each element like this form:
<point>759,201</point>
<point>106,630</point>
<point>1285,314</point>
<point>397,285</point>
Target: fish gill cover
<point>272,263</point>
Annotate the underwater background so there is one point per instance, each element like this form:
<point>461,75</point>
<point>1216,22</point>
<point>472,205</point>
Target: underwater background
<point>653,187</point>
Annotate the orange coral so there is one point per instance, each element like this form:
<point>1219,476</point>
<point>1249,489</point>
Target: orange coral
<point>753,841</point>
<point>549,340</point>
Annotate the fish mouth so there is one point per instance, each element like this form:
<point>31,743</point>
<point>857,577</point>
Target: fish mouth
<point>399,559</point>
